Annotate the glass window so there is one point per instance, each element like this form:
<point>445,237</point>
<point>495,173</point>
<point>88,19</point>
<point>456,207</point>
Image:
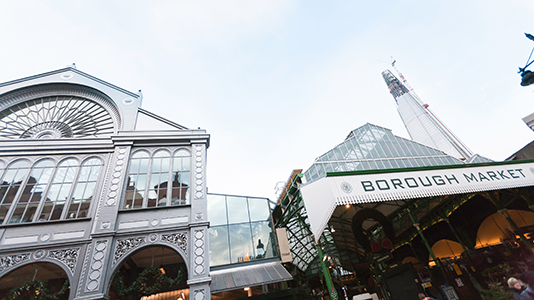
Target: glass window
<point>159,179</point>
<point>241,247</point>
<point>219,245</point>
<point>242,240</point>
<point>181,177</point>
<point>237,209</point>
<point>337,153</point>
<point>261,238</point>
<point>13,177</point>
<point>259,209</point>
<point>344,151</point>
<point>59,190</point>
<point>84,190</point>
<point>33,192</point>
<point>217,210</point>
<point>137,175</point>
<point>372,165</point>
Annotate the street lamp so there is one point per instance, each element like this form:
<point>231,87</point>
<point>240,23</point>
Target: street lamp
<point>527,77</point>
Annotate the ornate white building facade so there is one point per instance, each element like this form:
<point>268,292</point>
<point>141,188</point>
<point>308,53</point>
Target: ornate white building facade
<point>82,190</point>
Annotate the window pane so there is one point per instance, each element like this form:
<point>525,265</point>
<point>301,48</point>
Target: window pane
<point>261,236</point>
<point>240,243</point>
<point>10,185</point>
<point>32,193</point>
<point>219,246</point>
<point>259,209</point>
<point>60,190</point>
<point>237,209</point>
<point>217,210</point>
<point>83,192</point>
<point>137,181</point>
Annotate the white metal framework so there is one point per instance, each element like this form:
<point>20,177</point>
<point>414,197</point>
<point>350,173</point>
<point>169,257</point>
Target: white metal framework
<point>55,117</point>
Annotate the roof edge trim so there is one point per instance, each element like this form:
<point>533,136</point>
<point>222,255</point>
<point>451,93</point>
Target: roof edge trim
<point>345,173</point>
<point>75,71</point>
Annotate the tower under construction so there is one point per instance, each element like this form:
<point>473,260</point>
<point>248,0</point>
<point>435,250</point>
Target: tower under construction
<point>423,125</point>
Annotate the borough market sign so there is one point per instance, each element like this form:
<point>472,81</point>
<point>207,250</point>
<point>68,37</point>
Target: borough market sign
<point>322,196</point>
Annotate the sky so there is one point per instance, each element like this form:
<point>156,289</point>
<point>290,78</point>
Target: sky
<point>278,83</point>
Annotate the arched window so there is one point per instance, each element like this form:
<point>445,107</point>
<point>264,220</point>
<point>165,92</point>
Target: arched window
<point>159,177</point>
<point>181,169</point>
<point>33,192</point>
<point>59,190</point>
<point>11,182</point>
<point>50,192</point>
<point>84,190</point>
<point>137,175</point>
<point>151,180</point>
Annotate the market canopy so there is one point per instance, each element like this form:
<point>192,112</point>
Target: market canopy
<point>322,196</point>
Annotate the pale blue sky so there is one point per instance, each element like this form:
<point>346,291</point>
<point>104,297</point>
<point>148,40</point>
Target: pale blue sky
<point>278,83</point>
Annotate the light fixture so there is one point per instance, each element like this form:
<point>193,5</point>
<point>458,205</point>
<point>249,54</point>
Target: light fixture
<point>527,77</point>
<point>324,257</point>
<point>247,288</point>
<point>347,205</point>
<point>332,229</point>
<point>162,270</point>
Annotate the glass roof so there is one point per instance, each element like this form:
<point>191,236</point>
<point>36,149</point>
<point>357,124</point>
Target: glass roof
<point>368,147</point>
<point>372,147</point>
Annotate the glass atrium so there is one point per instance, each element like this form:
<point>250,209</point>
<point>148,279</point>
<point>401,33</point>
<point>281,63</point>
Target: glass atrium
<point>241,229</point>
<point>372,147</point>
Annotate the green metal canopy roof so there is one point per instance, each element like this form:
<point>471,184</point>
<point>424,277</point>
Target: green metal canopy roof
<point>369,147</point>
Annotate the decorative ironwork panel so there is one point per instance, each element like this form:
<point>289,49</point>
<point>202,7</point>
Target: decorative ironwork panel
<point>9,261</point>
<point>126,245</point>
<point>55,117</point>
<point>67,256</point>
<point>178,239</point>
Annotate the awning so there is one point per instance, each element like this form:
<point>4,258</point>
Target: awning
<point>248,276</point>
<point>321,197</point>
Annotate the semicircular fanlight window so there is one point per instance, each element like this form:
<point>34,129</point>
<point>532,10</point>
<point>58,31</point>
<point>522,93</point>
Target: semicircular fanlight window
<point>55,117</point>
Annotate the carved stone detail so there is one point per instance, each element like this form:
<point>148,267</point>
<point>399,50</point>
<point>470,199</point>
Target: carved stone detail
<point>84,269</point>
<point>199,251</point>
<point>199,168</point>
<point>199,295</point>
<point>97,263</point>
<point>9,261</point>
<point>69,257</point>
<point>153,238</point>
<point>126,245</point>
<point>112,194</point>
<point>39,254</point>
<point>178,239</point>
